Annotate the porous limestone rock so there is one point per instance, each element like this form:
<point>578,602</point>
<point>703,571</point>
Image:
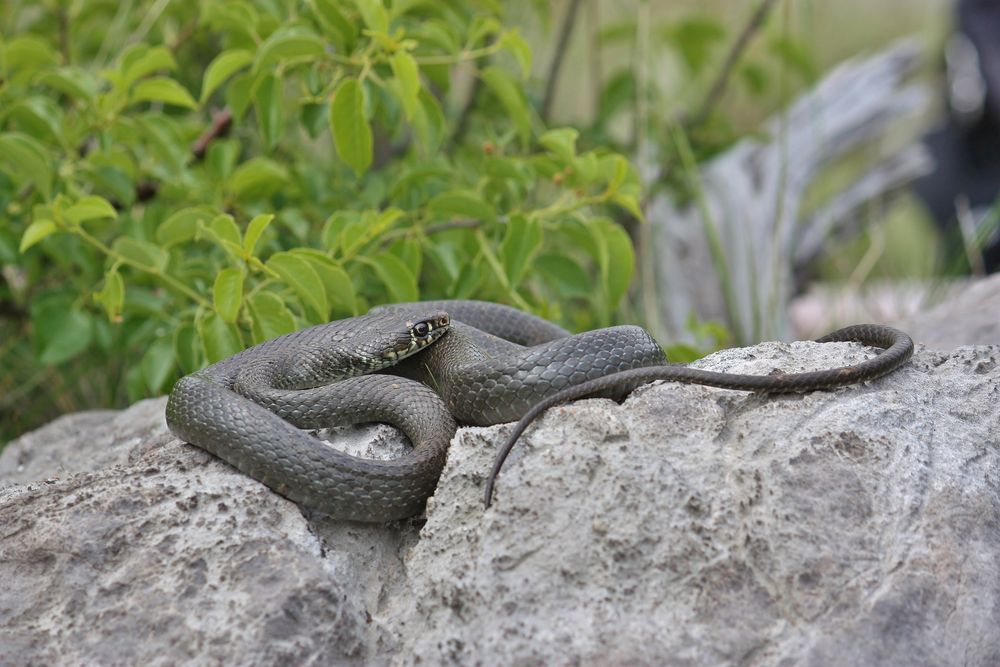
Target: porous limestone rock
<point>686,526</point>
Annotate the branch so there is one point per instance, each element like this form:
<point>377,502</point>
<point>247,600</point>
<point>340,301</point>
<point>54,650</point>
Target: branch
<point>222,120</point>
<point>557,58</point>
<point>462,124</point>
<point>732,58</point>
<point>64,35</point>
<point>453,224</point>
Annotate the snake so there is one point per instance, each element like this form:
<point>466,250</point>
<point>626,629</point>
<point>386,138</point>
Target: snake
<point>425,368</point>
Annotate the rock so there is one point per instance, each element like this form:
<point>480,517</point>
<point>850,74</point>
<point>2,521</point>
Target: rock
<point>970,316</point>
<point>689,526</point>
<point>942,314</point>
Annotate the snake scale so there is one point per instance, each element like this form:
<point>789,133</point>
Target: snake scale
<point>424,367</point>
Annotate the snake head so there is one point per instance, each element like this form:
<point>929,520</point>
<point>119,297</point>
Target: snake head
<point>420,332</point>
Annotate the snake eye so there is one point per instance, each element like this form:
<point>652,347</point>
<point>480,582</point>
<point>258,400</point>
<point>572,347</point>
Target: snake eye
<point>421,329</point>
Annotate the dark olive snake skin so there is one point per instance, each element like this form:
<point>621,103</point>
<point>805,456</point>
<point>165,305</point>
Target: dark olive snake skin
<point>422,367</point>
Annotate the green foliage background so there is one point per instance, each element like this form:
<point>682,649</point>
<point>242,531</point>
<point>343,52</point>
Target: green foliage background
<point>179,180</point>
<point>335,177</point>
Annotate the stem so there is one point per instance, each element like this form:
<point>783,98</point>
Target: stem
<point>596,67</point>
<point>711,233</point>
<point>559,208</point>
<point>64,35</point>
<point>491,259</point>
<point>460,57</point>
<point>729,64</point>
<point>644,161</point>
<point>395,234</point>
<point>151,17</point>
<point>557,58</point>
<point>164,277</point>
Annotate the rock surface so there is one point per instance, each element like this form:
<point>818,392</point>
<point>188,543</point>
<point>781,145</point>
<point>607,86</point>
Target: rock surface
<point>688,526</point>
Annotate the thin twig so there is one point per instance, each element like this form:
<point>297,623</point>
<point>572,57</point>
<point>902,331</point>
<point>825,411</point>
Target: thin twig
<point>222,120</point>
<point>557,58</point>
<point>594,48</point>
<point>454,224</point>
<point>64,35</point>
<point>729,64</point>
<point>391,236</point>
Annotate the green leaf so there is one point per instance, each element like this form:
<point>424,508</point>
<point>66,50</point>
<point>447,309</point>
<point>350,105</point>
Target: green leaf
<point>162,89</point>
<point>352,135</point>
<point>28,53</point>
<point>74,82</point>
<point>112,294</point>
<point>219,340</point>
<point>429,123</point>
<point>39,117</point>
<point>334,23</point>
<point>37,231</point>
<point>238,94</point>
<point>314,118</point>
<point>568,277</point>
<point>187,349</point>
<point>400,282</point>
<point>271,318</point>
<point>254,230</point>
<point>141,254</point>
<point>154,59</point>
<point>374,15</point>
<point>228,294</point>
<point>755,77</point>
<point>408,74</point>
<point>26,160</point>
<point>618,93</point>
<point>616,259</point>
<point>520,243</point>
<point>286,43</point>
<point>461,203</point>
<point>561,143</point>
<point>165,141</point>
<point>61,330</point>
<point>221,68</point>
<point>795,56</point>
<point>157,364</point>
<point>694,38</point>
<point>339,287</point>
<point>90,207</point>
<point>257,178</point>
<point>518,47</point>
<point>221,158</point>
<point>469,280</point>
<point>630,203</point>
<point>299,274</point>
<point>183,225</point>
<point>226,234</point>
<point>334,228</point>
<point>509,93</point>
<point>436,32</point>
<point>268,103</point>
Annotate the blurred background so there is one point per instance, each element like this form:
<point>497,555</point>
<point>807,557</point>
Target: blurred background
<point>792,166</point>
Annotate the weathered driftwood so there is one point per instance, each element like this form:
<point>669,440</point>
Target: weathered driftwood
<point>754,194</point>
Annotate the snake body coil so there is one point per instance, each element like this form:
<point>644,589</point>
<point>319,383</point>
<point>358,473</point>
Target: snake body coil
<point>487,364</point>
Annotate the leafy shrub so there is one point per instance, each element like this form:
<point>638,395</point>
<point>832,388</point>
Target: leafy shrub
<point>241,169</point>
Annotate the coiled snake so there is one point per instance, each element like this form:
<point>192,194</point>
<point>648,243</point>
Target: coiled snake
<point>422,367</point>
